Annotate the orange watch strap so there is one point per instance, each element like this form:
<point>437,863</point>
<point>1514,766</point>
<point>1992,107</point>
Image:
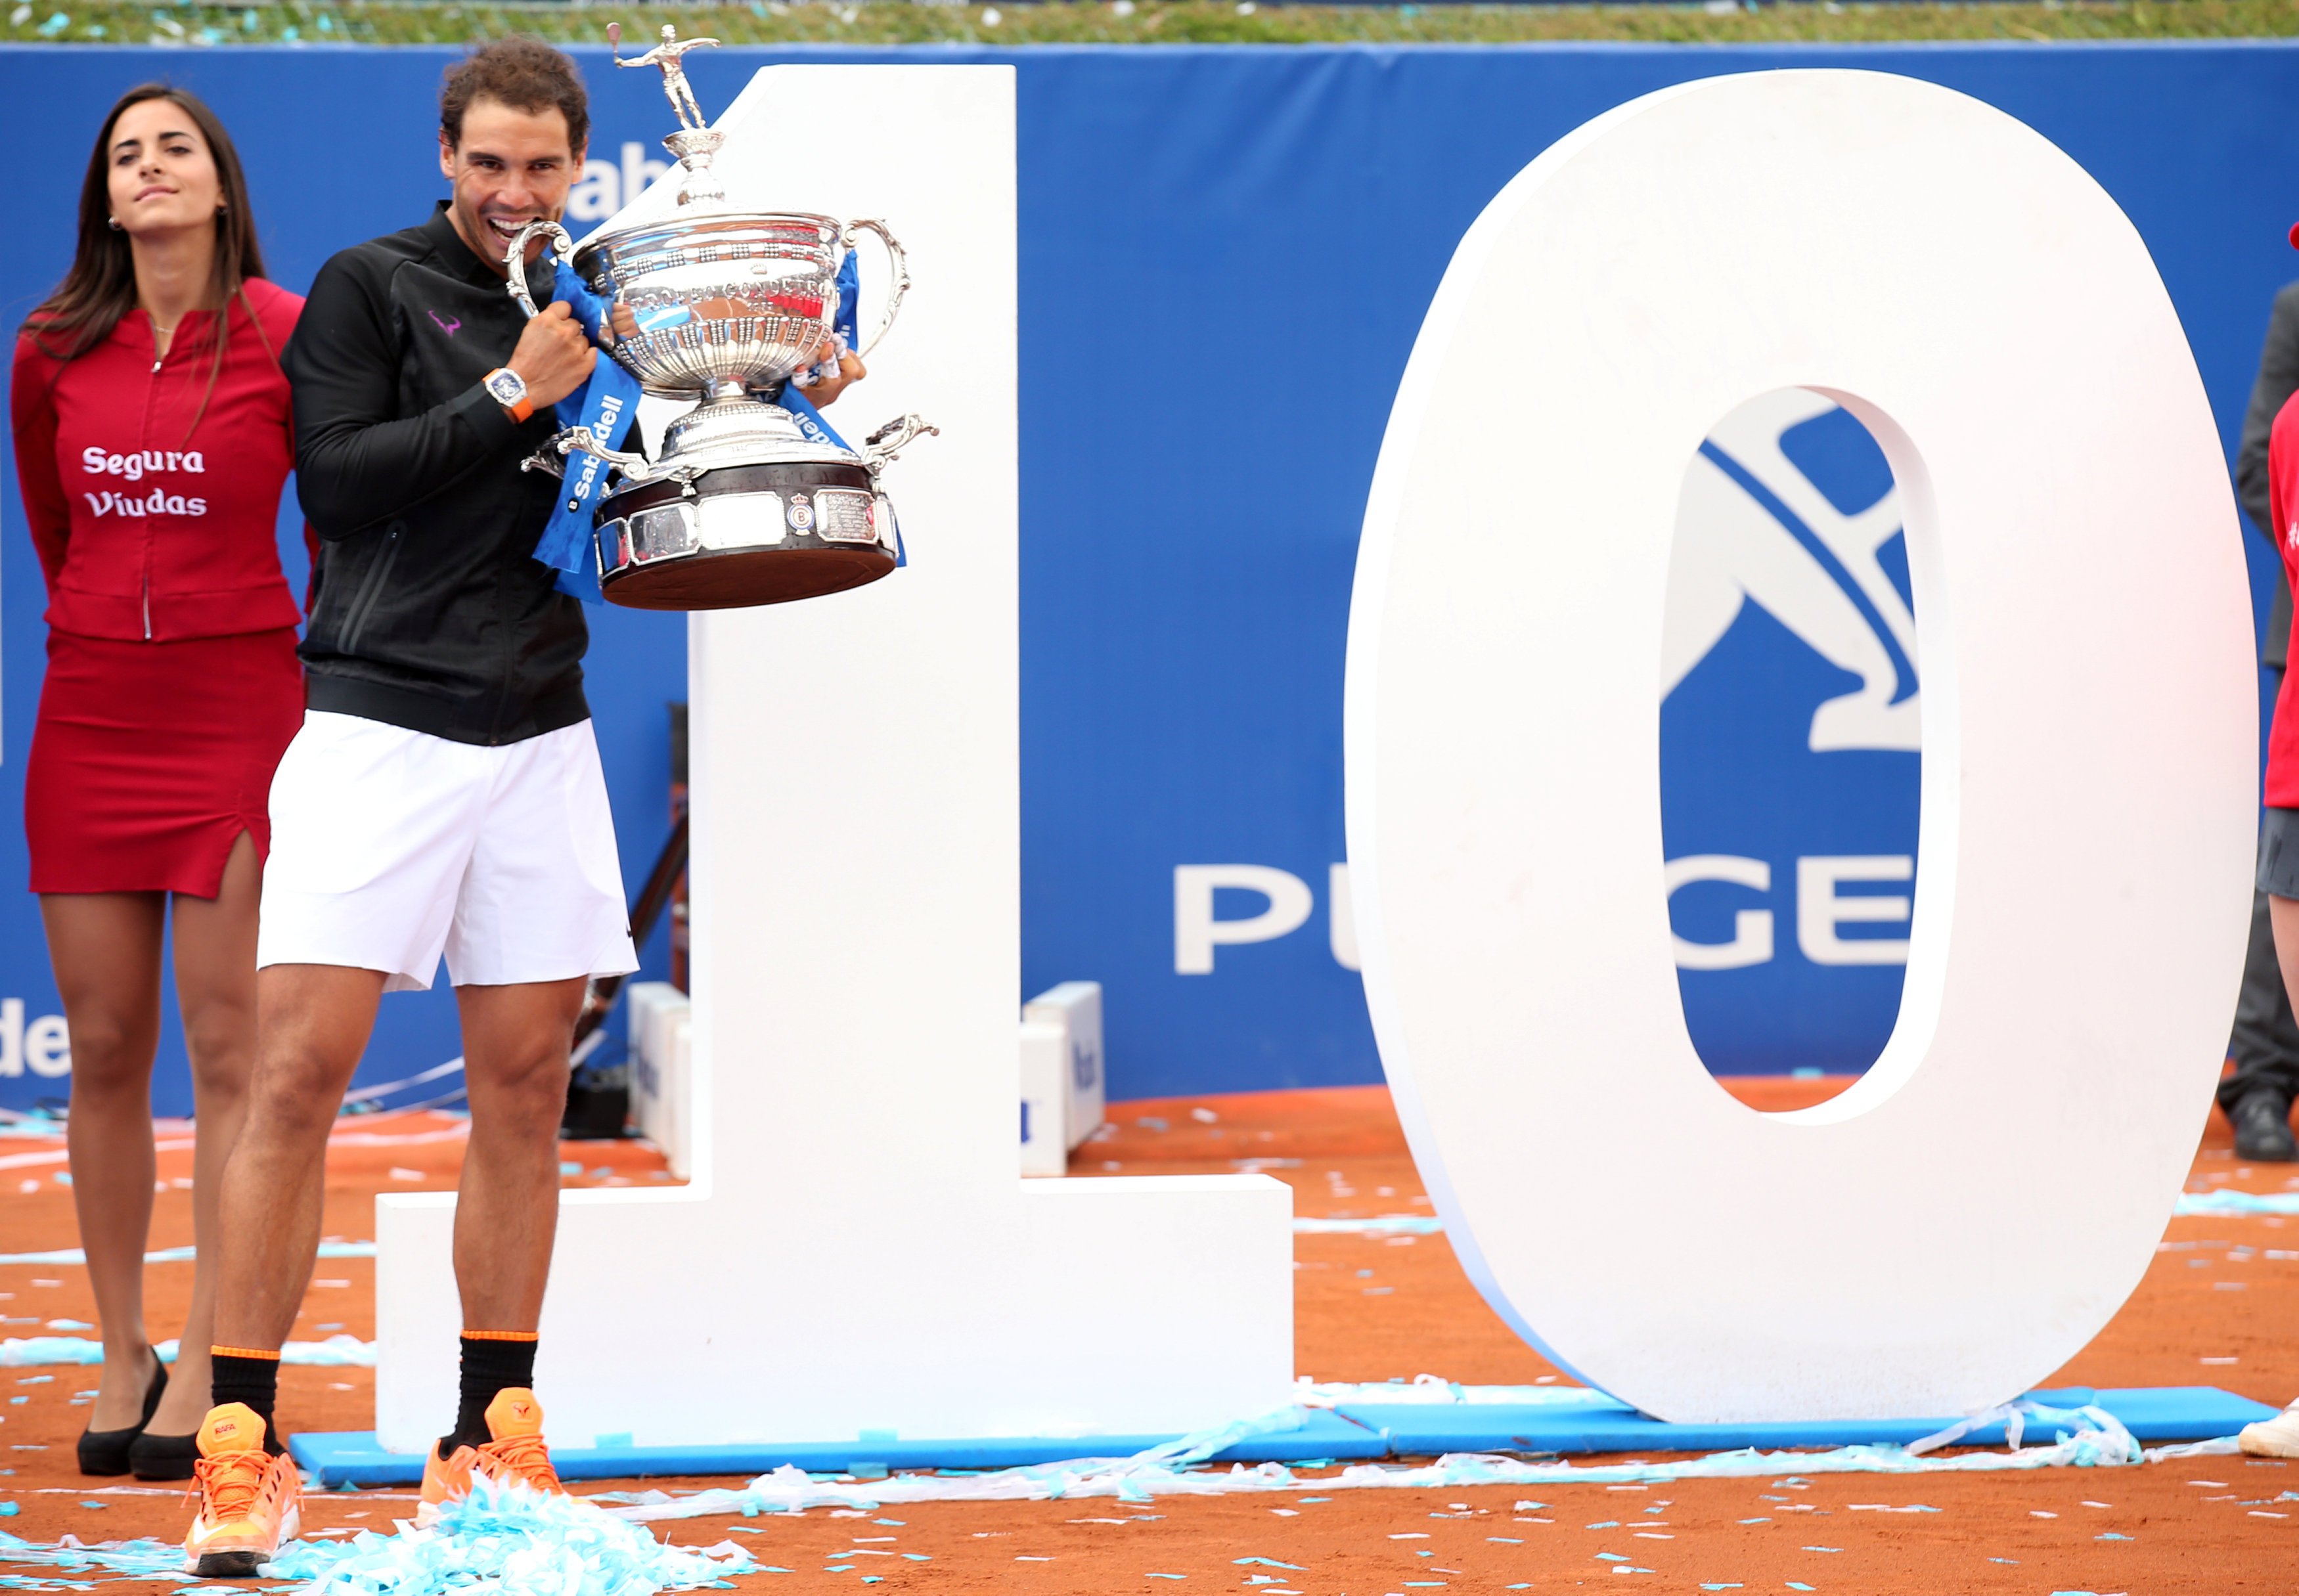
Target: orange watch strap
<point>523,409</point>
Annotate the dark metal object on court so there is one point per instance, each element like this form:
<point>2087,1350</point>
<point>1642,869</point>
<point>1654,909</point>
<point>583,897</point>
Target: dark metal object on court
<point>597,1105</point>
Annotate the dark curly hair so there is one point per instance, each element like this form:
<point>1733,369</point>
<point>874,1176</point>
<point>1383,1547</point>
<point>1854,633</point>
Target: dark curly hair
<point>521,71</point>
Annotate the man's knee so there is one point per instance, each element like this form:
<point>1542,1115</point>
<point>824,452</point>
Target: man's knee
<point>532,1083</point>
<point>299,1085</point>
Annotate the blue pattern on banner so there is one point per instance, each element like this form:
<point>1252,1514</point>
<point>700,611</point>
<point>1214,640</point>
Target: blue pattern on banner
<point>607,403</point>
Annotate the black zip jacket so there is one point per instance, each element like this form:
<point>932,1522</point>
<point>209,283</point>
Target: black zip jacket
<point>428,609</point>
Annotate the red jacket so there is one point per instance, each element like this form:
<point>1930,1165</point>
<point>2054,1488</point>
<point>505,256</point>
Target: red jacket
<point>2282,517</point>
<point>148,528</point>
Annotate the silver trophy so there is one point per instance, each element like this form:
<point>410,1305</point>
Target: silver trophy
<point>745,504</point>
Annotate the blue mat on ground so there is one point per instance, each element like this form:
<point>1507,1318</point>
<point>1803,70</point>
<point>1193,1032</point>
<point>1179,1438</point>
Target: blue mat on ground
<point>354,1459</point>
<point>1355,1431</point>
<point>2153,1415</point>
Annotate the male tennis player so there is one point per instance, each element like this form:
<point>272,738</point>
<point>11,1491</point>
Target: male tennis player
<point>444,793</point>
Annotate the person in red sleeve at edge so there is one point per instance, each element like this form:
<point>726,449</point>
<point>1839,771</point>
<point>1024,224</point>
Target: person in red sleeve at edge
<point>2278,832</point>
<point>153,439</point>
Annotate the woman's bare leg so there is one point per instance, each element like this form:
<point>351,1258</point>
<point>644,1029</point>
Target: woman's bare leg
<point>105,949</point>
<point>215,986</point>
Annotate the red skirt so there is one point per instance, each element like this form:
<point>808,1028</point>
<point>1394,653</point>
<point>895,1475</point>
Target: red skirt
<point>149,759</point>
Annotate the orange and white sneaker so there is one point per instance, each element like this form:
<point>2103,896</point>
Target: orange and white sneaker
<point>517,1453</point>
<point>249,1499</point>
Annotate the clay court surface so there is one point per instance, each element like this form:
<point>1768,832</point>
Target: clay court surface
<point>2221,1306</point>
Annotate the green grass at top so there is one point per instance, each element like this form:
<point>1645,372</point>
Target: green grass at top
<point>1147,22</point>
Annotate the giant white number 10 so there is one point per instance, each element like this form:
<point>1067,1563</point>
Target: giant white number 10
<point>1964,1219</point>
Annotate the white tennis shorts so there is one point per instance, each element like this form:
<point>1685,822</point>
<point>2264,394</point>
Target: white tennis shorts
<point>390,847</point>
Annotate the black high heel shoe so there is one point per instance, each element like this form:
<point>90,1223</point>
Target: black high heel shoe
<point>163,1457</point>
<point>105,1451</point>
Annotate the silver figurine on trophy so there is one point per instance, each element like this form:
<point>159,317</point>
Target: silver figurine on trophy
<point>745,505</point>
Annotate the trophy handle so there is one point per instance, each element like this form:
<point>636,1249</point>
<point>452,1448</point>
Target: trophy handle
<point>515,260</point>
<point>893,437</point>
<point>902,274</point>
<point>581,439</point>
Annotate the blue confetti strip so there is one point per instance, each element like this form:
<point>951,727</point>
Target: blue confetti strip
<point>2206,1203</point>
<point>508,1540</point>
<point>2085,1437</point>
<point>337,1351</point>
<point>1379,1225</point>
<point>513,1541</point>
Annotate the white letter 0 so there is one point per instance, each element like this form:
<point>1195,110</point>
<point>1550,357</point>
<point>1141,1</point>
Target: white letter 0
<point>1196,932</point>
<point>1992,317</point>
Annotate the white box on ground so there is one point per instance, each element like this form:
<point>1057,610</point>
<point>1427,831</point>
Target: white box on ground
<point>659,1032</point>
<point>853,1016</point>
<point>1045,1058</point>
<point>1076,1006</point>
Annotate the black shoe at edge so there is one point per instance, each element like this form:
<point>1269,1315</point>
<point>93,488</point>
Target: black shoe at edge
<point>2262,1129</point>
<point>105,1451</point>
<point>163,1457</point>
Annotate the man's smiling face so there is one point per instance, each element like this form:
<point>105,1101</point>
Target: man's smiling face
<point>512,167</point>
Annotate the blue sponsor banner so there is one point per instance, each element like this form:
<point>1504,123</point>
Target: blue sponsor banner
<point>1250,236</point>
<point>1790,748</point>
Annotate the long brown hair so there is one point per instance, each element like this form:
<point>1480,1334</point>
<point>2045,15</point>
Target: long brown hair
<point>100,289</point>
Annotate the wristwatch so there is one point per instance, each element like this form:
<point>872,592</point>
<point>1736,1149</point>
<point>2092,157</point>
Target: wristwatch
<point>508,390</point>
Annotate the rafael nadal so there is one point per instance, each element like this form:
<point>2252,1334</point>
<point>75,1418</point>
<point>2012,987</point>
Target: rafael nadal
<point>444,796</point>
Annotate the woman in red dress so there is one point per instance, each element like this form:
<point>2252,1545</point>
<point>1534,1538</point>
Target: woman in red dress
<point>152,439</point>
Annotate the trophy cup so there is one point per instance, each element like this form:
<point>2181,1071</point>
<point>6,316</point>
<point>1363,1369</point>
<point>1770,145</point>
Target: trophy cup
<point>747,503</point>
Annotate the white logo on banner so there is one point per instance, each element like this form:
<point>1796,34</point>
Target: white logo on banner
<point>1732,545</point>
<point>605,188</point>
<point>1750,526</point>
<point>45,1045</point>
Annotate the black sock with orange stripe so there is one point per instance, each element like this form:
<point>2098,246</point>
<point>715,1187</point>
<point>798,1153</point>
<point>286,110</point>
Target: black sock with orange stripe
<point>249,1375</point>
<point>494,1360</point>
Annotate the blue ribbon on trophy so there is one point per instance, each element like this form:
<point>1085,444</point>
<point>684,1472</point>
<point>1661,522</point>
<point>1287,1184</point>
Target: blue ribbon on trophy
<point>607,404</point>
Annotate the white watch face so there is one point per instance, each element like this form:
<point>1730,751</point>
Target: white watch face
<point>506,387</point>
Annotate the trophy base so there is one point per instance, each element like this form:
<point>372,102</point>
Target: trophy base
<point>734,431</point>
<point>738,580</point>
<point>760,532</point>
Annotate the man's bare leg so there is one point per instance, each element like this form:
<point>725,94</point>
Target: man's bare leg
<point>515,1045</point>
<point>312,1025</point>
<point>313,1022</point>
